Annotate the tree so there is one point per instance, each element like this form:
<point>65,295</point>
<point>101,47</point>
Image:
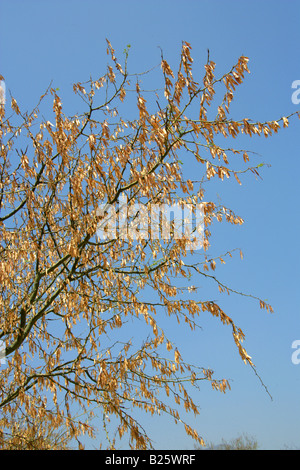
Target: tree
<point>77,292</point>
<point>37,435</point>
<point>243,442</point>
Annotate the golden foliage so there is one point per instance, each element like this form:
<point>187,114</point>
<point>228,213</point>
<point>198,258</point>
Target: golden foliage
<point>73,307</point>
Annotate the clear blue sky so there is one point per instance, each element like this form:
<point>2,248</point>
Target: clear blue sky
<point>64,41</point>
